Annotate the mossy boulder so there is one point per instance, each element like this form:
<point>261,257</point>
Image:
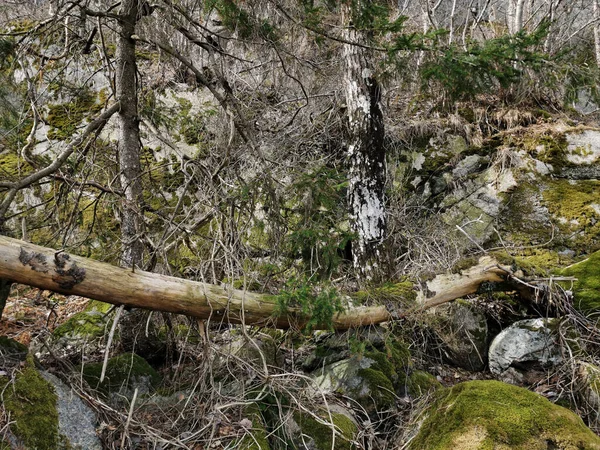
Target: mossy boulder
<point>482,415</point>
<point>318,435</point>
<point>31,402</point>
<point>420,383</point>
<point>86,325</point>
<point>124,373</point>
<point>586,287</point>
<point>371,377</point>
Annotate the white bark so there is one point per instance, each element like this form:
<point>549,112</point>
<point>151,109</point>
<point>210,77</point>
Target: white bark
<point>597,30</point>
<point>366,156</point>
<point>518,25</point>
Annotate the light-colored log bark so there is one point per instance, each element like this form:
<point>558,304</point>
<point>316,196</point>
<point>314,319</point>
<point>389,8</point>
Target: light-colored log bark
<point>60,272</point>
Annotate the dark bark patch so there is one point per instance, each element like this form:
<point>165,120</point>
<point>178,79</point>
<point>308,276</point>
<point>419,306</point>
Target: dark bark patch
<point>36,261</point>
<point>65,277</point>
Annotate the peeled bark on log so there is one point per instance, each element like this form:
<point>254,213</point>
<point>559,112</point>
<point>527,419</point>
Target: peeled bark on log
<point>46,268</point>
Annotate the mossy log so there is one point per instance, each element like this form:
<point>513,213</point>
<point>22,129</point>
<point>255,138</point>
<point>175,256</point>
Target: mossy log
<point>57,271</point>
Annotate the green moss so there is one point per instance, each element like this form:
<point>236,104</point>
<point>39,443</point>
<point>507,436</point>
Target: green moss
<point>381,390</point>
<point>586,288</point>
<point>323,434</point>
<point>31,402</point>
<point>11,347</point>
<point>521,206</point>
<point>12,166</point>
<point>575,206</point>
<point>491,414</point>
<point>403,293</point>
<point>64,118</point>
<point>549,148</point>
<point>89,323</point>
<point>122,371</point>
<point>533,262</point>
<point>464,264</point>
<point>420,382</point>
<point>258,439</point>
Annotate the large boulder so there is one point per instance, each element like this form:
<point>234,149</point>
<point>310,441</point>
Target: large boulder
<point>84,329</point>
<point>494,415</point>
<point>44,413</point>
<point>526,344</point>
<point>76,420</point>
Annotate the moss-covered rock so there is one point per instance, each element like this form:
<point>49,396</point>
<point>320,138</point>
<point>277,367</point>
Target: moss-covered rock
<point>494,415</point>
<point>420,383</point>
<point>31,402</point>
<point>256,436</point>
<point>586,288</point>
<point>576,211</point>
<point>124,373</point>
<point>87,324</point>
<point>371,378</point>
<point>321,435</point>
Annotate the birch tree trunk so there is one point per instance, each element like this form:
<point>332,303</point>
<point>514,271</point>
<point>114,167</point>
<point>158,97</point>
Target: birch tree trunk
<point>597,30</point>
<point>518,25</point>
<point>366,155</point>
<point>132,226</point>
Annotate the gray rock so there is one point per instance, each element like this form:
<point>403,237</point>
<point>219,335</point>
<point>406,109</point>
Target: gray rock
<point>467,166</point>
<point>527,343</point>
<point>76,421</point>
<point>464,333</point>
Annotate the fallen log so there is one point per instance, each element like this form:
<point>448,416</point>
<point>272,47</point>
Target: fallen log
<point>57,271</point>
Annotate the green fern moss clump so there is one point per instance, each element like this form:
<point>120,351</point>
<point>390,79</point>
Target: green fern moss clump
<point>490,414</point>
<point>31,402</point>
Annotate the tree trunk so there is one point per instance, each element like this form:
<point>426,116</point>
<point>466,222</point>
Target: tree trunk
<point>57,271</point>
<point>366,155</point>
<point>5,285</point>
<point>132,226</point>
<point>597,30</point>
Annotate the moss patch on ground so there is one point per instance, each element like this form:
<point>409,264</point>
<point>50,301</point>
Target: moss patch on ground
<point>322,434</point>
<point>31,402</point>
<point>489,415</point>
<point>122,371</point>
<point>420,383</point>
<point>586,288</point>
<point>88,323</point>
